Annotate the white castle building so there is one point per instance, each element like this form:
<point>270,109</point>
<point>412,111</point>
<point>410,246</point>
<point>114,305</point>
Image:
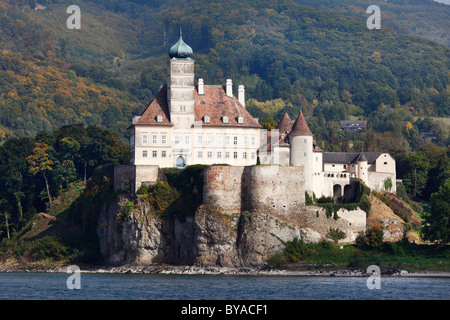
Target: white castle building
<point>188,123</point>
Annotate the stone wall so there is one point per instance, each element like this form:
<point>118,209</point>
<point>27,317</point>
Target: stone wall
<point>376,181</point>
<point>131,177</point>
<point>222,188</point>
<point>274,190</point>
<point>351,222</point>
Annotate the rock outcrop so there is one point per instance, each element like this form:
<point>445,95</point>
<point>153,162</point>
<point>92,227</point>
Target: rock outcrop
<point>209,238</point>
<point>131,233</point>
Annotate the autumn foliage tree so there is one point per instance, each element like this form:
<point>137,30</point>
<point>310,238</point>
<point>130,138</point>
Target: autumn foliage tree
<point>40,162</point>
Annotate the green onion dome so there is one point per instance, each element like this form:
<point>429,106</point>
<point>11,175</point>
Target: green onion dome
<point>180,50</point>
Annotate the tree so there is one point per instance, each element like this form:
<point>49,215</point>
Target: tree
<point>413,169</point>
<point>335,235</point>
<point>437,222</point>
<point>269,124</point>
<point>40,162</point>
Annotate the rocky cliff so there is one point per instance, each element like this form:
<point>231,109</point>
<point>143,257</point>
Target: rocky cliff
<point>133,234</point>
<point>206,238</point>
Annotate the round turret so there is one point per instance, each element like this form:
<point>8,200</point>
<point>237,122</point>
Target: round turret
<point>301,153</point>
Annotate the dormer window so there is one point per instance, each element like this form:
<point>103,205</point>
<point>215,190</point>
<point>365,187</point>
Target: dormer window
<point>240,120</point>
<point>206,119</point>
<point>159,119</point>
<point>225,119</point>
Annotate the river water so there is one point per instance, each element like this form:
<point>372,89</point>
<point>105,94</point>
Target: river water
<point>54,286</point>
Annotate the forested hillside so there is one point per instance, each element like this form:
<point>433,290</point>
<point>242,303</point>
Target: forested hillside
<point>328,63</point>
<point>424,18</point>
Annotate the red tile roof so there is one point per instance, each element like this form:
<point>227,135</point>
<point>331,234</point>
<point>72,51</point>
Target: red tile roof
<point>157,107</point>
<point>214,103</point>
<point>300,127</point>
<point>285,124</point>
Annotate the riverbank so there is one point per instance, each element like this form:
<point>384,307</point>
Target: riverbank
<point>215,270</point>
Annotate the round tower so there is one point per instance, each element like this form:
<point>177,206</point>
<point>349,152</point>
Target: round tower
<point>301,153</point>
<point>363,168</point>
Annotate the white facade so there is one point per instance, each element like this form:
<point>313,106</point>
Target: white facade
<point>329,174</point>
<point>187,124</point>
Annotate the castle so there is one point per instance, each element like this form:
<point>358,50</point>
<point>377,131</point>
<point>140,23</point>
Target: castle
<point>188,123</point>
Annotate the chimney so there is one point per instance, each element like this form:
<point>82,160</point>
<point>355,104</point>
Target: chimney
<point>201,89</point>
<point>229,88</point>
<point>241,95</point>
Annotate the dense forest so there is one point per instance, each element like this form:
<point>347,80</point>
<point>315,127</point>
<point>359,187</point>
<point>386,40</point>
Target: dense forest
<point>68,96</point>
<point>425,18</point>
<point>328,63</point>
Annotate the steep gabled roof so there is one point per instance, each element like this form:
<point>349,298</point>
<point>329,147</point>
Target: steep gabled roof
<point>157,107</point>
<point>300,127</point>
<point>215,104</point>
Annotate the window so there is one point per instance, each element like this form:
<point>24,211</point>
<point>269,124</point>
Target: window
<point>209,154</point>
<point>244,155</point>
<point>253,141</point>
<point>225,119</point>
<point>182,108</point>
<point>227,139</point>
<point>144,154</point>
<point>159,119</point>
<point>227,155</point>
<point>244,140</point>
<point>144,139</point>
<point>219,140</point>
<point>186,139</point>
<point>240,120</point>
<point>199,140</point>
<point>154,138</point>
<point>177,139</point>
<point>209,139</point>
<point>385,163</point>
<point>177,121</point>
<point>154,154</point>
<point>235,155</point>
<point>253,155</point>
<point>163,154</point>
<point>219,154</point>
<point>235,139</point>
<point>304,154</point>
<point>304,141</point>
<point>206,119</point>
<point>163,139</point>
<point>199,154</point>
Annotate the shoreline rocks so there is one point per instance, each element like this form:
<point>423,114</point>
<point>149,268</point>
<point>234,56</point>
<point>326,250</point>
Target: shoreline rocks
<point>214,270</point>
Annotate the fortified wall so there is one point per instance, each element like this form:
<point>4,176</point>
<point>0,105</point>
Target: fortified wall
<point>276,190</point>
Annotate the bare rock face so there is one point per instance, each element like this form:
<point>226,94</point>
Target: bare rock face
<point>209,238</point>
<point>130,237</point>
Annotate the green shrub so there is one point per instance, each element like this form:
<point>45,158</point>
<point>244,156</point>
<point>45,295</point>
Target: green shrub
<point>371,238</point>
<point>335,234</point>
